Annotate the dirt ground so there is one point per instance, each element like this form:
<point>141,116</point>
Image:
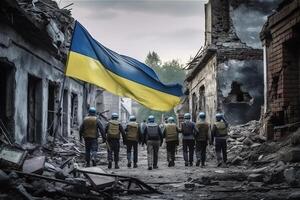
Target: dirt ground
<point>210,182</point>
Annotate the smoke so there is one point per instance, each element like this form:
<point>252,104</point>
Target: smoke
<point>248,20</point>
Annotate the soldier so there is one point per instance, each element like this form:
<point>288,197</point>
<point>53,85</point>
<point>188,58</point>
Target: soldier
<point>219,136</point>
<point>113,131</point>
<point>153,138</point>
<point>133,137</point>
<point>172,141</point>
<point>89,130</point>
<point>188,140</point>
<point>201,138</point>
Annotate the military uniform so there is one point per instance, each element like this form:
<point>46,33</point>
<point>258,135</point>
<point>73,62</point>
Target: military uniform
<point>153,138</point>
<point>188,141</point>
<point>171,137</point>
<point>133,137</point>
<point>219,134</point>
<point>201,138</point>
<point>89,130</point>
<point>114,130</point>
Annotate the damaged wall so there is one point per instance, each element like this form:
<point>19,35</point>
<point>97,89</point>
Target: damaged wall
<point>204,86</point>
<point>234,35</point>
<point>35,61</point>
<point>281,38</point>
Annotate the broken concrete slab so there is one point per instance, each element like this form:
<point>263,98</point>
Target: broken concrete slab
<point>97,180</point>
<point>292,176</point>
<point>255,178</point>
<point>237,160</point>
<point>292,155</point>
<point>34,165</point>
<point>11,157</point>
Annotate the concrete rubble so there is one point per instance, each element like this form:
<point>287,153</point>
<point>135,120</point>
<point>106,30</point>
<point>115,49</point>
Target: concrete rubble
<point>58,172</point>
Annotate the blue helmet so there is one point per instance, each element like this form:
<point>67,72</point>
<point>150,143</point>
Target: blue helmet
<point>219,116</point>
<point>151,119</point>
<point>132,118</point>
<point>171,120</point>
<point>187,116</point>
<point>92,111</point>
<point>202,115</point>
<point>114,116</point>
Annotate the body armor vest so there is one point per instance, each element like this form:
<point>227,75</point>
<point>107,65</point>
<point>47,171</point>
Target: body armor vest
<point>132,131</point>
<point>113,129</point>
<point>221,129</point>
<point>152,130</point>
<point>203,129</point>
<point>90,127</point>
<point>171,132</point>
<point>187,128</point>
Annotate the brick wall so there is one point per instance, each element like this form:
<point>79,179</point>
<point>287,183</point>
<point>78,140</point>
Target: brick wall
<point>283,66</point>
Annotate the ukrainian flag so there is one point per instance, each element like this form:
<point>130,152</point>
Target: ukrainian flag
<point>91,62</point>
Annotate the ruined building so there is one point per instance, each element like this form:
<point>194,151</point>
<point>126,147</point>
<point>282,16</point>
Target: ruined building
<point>227,73</point>
<point>34,40</point>
<point>281,39</point>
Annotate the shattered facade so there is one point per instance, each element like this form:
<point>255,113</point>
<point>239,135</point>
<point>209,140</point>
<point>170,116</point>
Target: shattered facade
<point>281,38</point>
<point>227,74</point>
<point>34,40</point>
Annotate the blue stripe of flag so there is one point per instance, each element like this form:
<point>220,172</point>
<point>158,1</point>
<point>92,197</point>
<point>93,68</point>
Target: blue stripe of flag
<point>124,66</point>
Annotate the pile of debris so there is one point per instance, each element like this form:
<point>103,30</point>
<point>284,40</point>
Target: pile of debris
<point>243,140</point>
<point>56,171</point>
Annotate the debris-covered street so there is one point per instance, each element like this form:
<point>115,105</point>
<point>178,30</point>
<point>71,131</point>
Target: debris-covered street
<point>255,170</point>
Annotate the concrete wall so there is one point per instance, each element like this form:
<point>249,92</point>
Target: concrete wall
<point>207,78</point>
<point>112,103</point>
<point>28,59</point>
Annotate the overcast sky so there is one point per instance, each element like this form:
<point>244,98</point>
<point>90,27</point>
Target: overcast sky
<point>172,28</point>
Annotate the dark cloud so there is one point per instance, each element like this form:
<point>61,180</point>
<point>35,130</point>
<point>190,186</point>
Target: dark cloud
<point>112,8</point>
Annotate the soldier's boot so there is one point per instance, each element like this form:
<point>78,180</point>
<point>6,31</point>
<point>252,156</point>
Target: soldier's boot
<point>129,164</point>
<point>109,165</point>
<point>149,168</point>
<point>94,163</point>
<point>186,164</point>
<point>116,165</point>
<point>198,163</point>
<point>191,164</point>
<point>87,164</point>
<point>155,167</point>
<point>173,163</point>
<point>135,165</point>
<point>170,164</point>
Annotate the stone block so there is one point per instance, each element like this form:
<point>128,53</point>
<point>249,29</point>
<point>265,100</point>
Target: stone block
<point>34,165</point>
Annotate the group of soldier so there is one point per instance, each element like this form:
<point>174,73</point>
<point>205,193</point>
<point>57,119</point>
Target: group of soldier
<point>195,138</point>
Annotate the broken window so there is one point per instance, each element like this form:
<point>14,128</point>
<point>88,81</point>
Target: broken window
<point>237,95</point>
<point>65,114</point>
<point>194,106</point>
<point>202,98</point>
<point>7,85</point>
<point>34,109</point>
<point>74,110</point>
<point>52,94</point>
